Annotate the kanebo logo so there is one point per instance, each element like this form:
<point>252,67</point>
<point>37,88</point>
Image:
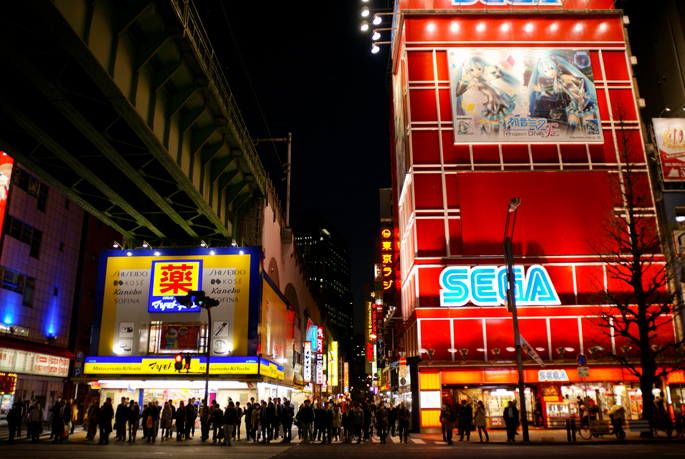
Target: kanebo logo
<point>508,2</point>
<point>487,286</point>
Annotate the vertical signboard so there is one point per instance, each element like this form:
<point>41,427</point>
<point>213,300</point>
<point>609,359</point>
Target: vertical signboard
<point>346,377</point>
<point>333,364</point>
<point>319,368</point>
<point>307,362</point>
<point>670,139</point>
<point>319,340</point>
<point>387,266</point>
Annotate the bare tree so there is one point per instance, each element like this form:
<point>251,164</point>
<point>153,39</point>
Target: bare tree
<point>642,295</point>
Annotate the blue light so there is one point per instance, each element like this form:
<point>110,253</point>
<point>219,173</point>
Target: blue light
<point>7,319</point>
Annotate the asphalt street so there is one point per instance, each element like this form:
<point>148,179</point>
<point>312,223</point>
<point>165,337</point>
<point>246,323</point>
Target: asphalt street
<point>418,446</point>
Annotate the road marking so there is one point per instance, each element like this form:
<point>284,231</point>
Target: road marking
<point>395,440</point>
<point>418,442</point>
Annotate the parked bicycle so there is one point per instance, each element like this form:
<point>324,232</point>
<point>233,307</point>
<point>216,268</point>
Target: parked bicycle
<point>589,429</point>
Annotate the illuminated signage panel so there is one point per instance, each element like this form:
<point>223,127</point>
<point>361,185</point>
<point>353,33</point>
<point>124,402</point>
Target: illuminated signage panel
<point>319,368</point>
<point>333,364</point>
<point>165,365</point>
<point>670,138</point>
<point>523,95</point>
<point>346,377</point>
<point>170,279</point>
<point>307,362</point>
<point>487,286</point>
<point>508,2</point>
<point>319,340</point>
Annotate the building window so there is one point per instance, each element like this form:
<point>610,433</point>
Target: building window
<point>18,283</point>
<point>28,292</point>
<point>55,291</point>
<point>35,243</point>
<point>66,204</point>
<point>61,246</point>
<point>174,337</point>
<point>42,197</point>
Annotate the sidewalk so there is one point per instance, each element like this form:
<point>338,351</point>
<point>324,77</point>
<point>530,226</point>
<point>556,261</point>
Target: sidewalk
<point>549,436</point>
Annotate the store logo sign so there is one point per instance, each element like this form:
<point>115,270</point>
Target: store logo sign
<point>307,361</point>
<point>552,375</point>
<point>171,279</point>
<point>508,2</point>
<point>487,286</point>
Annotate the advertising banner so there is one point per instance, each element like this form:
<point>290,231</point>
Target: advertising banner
<point>16,361</point>
<point>333,363</point>
<point>165,365</point>
<point>346,377</point>
<point>140,287</point>
<point>523,95</point>
<point>670,137</point>
<point>319,340</point>
<point>319,368</point>
<point>307,361</point>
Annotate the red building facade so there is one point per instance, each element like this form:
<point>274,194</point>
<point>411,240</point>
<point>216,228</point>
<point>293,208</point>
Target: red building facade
<point>492,101</point>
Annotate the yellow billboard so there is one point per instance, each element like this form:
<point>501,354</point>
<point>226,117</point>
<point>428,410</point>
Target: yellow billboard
<point>333,363</point>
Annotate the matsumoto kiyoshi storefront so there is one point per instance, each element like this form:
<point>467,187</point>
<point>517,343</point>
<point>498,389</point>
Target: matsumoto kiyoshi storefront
<point>140,327</point>
<point>519,100</point>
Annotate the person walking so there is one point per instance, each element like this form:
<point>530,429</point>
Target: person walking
<point>35,419</point>
<point>358,422</point>
<point>465,420</point>
<point>382,420</point>
<point>105,421</point>
<point>180,421</point>
<point>511,420</point>
<point>51,418</point>
<point>481,421</point>
<point>133,421</point>
<point>287,421</point>
<point>337,422</point>
<point>13,418</point>
<point>247,414</point>
<point>73,404</point>
<point>60,418</point>
<point>256,421</point>
<point>266,419</point>
<point>230,420</point>
<point>449,424</point>
<point>166,420</point>
<point>403,420</point>
<point>443,416</point>
<point>92,420</point>
<point>392,419</point>
<point>152,423</point>
<point>217,423</point>
<point>307,418</point>
<point>22,415</point>
<point>278,411</point>
<point>204,420</point>
<point>236,429</point>
<point>120,419</point>
<point>191,415</point>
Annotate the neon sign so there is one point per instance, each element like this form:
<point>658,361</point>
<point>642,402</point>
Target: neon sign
<point>552,375</point>
<point>171,279</point>
<point>508,2</point>
<point>307,361</point>
<point>487,286</point>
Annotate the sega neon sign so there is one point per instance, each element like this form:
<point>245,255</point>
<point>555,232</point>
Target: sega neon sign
<point>552,375</point>
<point>508,2</point>
<point>487,286</point>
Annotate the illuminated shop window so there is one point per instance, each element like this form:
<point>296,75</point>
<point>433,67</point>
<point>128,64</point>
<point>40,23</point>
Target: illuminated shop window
<point>172,337</point>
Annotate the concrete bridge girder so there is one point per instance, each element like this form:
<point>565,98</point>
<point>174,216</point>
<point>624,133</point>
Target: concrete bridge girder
<point>148,71</point>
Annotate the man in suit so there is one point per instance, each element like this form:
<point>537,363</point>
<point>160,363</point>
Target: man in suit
<point>465,419</point>
<point>511,420</point>
<point>61,417</point>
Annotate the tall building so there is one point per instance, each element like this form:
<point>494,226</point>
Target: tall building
<point>497,100</point>
<point>327,259</point>
<point>40,253</point>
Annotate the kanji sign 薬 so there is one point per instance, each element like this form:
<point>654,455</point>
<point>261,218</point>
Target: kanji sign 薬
<point>171,279</point>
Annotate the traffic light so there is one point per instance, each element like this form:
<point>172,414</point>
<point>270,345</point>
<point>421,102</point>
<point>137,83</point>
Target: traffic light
<point>187,365</point>
<point>193,298</point>
<point>178,363</point>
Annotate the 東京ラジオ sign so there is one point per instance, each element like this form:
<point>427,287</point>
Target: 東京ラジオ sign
<point>487,286</point>
<point>508,2</point>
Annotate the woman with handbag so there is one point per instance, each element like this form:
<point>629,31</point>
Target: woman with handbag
<point>481,421</point>
<point>166,419</point>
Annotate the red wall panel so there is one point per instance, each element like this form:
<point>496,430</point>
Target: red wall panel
<point>429,287</point>
<point>558,214</point>
<point>562,279</point>
<point>595,335</point>
<point>454,154</point>
<point>515,154</point>
<point>420,66</point>
<point>452,190</point>
<point>435,334</point>
<point>564,333</point>
<point>486,154</point>
<point>456,247</point>
<point>535,332</point>
<point>545,153</point>
<point>422,103</point>
<point>589,279</point>
<point>425,147</point>
<point>468,334</point>
<point>615,66</point>
<point>428,191</point>
<point>430,235</point>
<point>500,334</point>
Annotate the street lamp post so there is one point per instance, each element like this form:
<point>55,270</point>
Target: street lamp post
<point>511,303</point>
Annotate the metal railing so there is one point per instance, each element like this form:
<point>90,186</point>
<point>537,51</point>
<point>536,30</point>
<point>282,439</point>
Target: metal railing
<point>195,33</point>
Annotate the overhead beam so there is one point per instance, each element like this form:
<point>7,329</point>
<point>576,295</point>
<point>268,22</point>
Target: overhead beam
<point>52,145</point>
<point>94,135</point>
<point>65,190</point>
<point>148,49</point>
<point>129,16</point>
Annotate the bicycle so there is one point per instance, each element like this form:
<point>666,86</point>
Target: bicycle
<point>596,428</point>
<point>663,429</point>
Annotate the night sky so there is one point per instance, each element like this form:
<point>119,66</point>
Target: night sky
<point>313,73</point>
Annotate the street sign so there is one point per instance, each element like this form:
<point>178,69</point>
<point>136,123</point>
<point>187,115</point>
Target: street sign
<point>583,372</point>
<point>679,239</point>
<point>79,357</point>
<point>403,381</point>
<point>531,352</point>
<point>582,360</point>
<point>78,372</point>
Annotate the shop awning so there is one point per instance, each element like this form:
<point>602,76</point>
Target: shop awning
<point>36,347</point>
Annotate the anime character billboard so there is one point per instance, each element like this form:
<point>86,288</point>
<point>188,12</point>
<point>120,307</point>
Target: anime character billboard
<point>523,95</point>
<point>670,137</point>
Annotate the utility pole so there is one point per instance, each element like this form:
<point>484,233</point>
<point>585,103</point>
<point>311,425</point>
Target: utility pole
<point>289,141</point>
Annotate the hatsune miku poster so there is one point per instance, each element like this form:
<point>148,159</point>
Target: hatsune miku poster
<point>670,137</point>
<point>523,95</point>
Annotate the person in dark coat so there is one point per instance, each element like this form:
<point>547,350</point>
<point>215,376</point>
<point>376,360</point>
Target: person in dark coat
<point>248,421</point>
<point>327,423</point>
<point>266,419</point>
<point>287,416</point>
<point>306,414</point>
<point>51,418</point>
<point>120,418</point>
<point>217,423</point>
<point>180,421</point>
<point>133,419</point>
<point>403,421</point>
<point>392,419</point>
<point>465,419</point>
<point>190,419</point>
<point>13,418</point>
<point>230,420</point>
<point>60,418</point>
<point>511,420</point>
<point>105,421</point>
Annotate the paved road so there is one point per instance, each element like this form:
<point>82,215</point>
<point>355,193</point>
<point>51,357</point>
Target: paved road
<point>419,446</point>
